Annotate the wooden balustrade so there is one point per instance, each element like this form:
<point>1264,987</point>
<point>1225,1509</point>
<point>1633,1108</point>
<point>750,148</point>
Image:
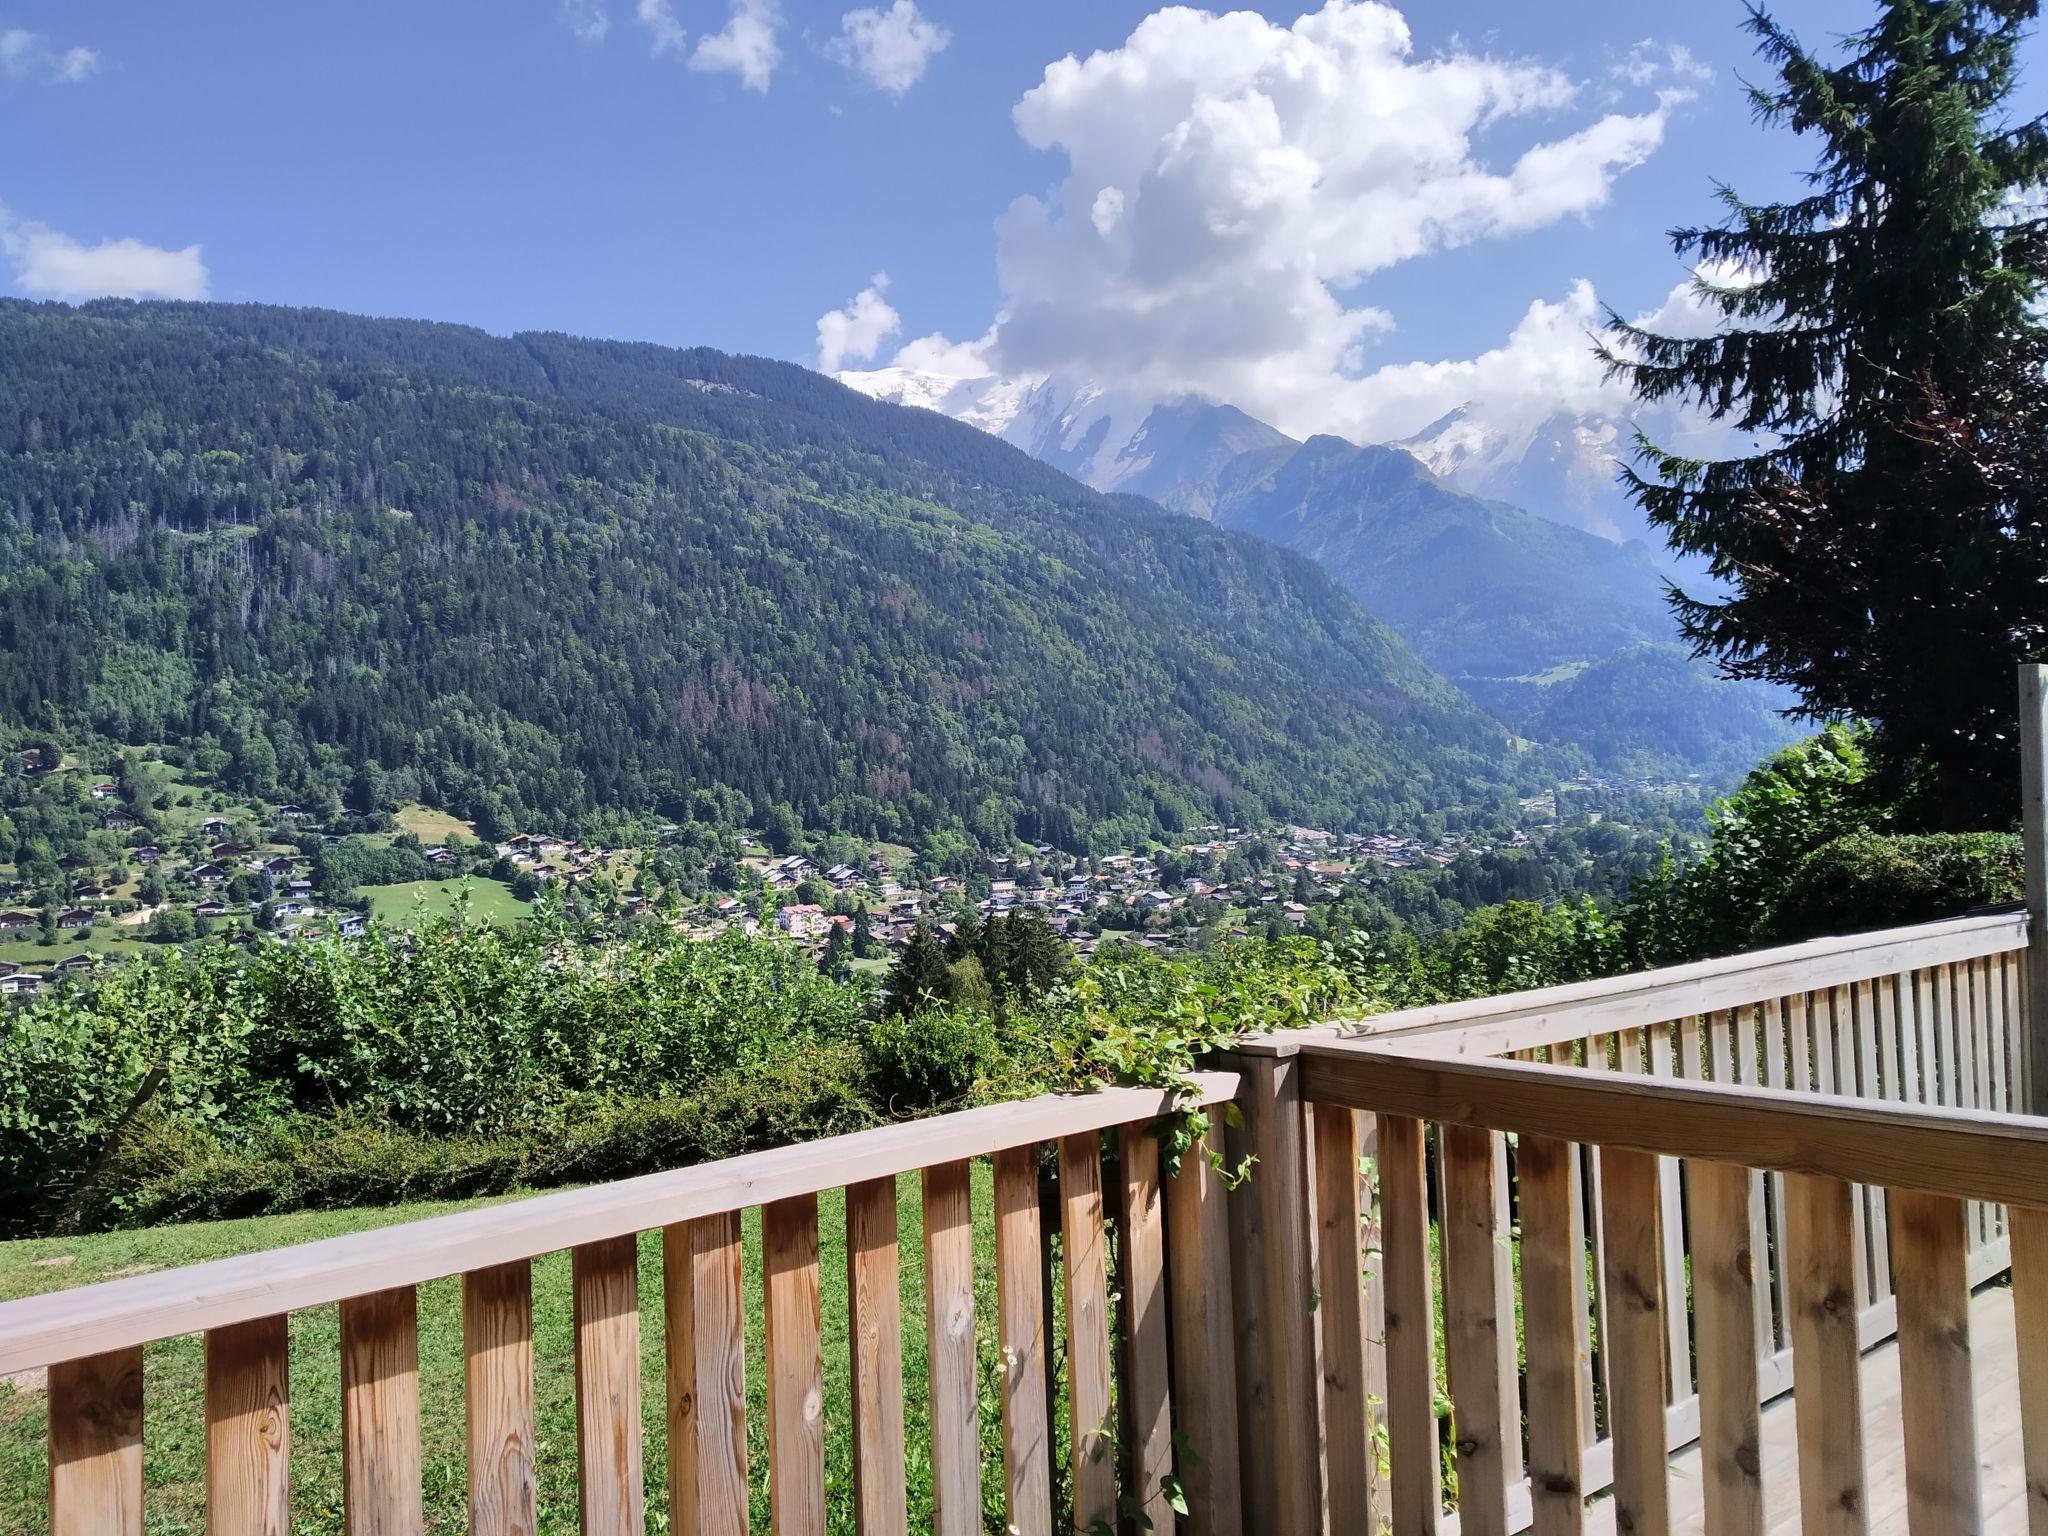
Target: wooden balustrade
<point>1633,1208</point>
<point>1171,1331</point>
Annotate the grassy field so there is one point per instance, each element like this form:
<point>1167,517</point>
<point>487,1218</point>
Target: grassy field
<point>174,1427</point>
<point>490,900</point>
<point>431,826</point>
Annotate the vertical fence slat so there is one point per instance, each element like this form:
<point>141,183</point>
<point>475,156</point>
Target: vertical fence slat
<point>95,1408</point>
<point>1020,1336</point>
<point>1204,1343</point>
<point>1677,1331</point>
<point>380,1413</point>
<point>949,1332</point>
<point>1349,1485</point>
<point>704,1303</point>
<point>1631,1212</point>
<point>497,1374</point>
<point>605,1279</point>
<point>1553,1283</point>
<point>248,1428</point>
<point>1929,1248</point>
<point>793,1340</point>
<point>1870,1085</point>
<point>874,1298</point>
<point>1146,1381</point>
<point>1415,1484</point>
<point>1775,1046</point>
<point>1089,1426</point>
<point>1725,1311</point>
<point>1748,1027</point>
<point>1828,1391</point>
<point>2030,1330</point>
<point>1472,1330</point>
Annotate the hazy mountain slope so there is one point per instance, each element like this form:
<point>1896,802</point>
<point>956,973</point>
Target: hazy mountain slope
<point>1481,589</point>
<point>540,576</point>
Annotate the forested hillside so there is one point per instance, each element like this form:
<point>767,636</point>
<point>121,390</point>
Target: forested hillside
<point>539,577</point>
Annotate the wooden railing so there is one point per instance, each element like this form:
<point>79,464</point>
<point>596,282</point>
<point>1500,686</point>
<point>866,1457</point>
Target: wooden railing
<point>1653,1199</point>
<point>1169,1238</point>
<point>1639,1208</point>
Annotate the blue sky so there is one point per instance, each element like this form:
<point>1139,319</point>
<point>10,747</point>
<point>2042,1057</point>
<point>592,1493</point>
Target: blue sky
<point>496,162</point>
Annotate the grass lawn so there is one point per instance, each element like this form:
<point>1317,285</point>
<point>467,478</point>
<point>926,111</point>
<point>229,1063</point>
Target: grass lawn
<point>431,826</point>
<point>174,1427</point>
<point>491,900</point>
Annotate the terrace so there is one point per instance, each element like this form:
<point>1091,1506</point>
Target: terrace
<point>1758,1244</point>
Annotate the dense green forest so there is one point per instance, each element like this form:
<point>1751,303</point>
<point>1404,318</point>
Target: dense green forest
<point>538,578</point>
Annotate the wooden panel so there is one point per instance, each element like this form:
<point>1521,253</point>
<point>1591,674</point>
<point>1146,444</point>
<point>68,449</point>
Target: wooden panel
<point>1146,1387</point>
<point>1725,1308</point>
<point>1472,1330</point>
<point>949,1335</point>
<point>1747,1028</point>
<point>795,1366</point>
<point>1553,1269</point>
<point>1090,1428</point>
<point>380,1414</point>
<point>1974,1154</point>
<point>704,1306</point>
<point>874,1291</point>
<point>248,1429</point>
<point>1277,1123</point>
<point>1870,1085</point>
<point>1935,1396</point>
<point>497,1351</point>
<point>1775,1047</point>
<point>96,1445</point>
<point>1204,1363</point>
<point>1678,1337</point>
<point>1351,1452</point>
<point>605,1279</point>
<point>1829,1394</point>
<point>41,1330</point>
<point>1630,1210</point>
<point>2030,1328</point>
<point>1020,1335</point>
<point>1415,1483</point>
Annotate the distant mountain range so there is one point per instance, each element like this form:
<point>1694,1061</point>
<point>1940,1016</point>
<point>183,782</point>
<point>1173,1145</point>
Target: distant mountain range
<point>1532,614</point>
<point>532,578</point>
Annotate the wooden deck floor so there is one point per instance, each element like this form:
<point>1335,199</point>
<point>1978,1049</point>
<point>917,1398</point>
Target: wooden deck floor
<point>2003,1482</point>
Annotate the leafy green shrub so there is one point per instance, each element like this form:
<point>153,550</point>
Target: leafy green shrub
<point>1867,880</point>
<point>929,1059</point>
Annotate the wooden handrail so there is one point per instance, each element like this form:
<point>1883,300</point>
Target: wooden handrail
<point>122,1314</point>
<point>1968,1154</point>
<point>1487,1026</point>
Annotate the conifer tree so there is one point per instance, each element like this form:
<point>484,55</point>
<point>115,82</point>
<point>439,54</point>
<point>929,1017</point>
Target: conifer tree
<point>919,977</point>
<point>1853,569</point>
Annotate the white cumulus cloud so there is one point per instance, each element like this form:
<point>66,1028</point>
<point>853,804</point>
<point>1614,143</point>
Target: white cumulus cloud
<point>664,33</point>
<point>747,46</point>
<point>588,20</point>
<point>889,48</point>
<point>49,264</point>
<point>1230,182</point>
<point>26,55</point>
<point>854,334</point>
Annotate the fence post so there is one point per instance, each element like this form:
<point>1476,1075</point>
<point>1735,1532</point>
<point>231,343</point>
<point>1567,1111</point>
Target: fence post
<point>1272,1277</point>
<point>2034,812</point>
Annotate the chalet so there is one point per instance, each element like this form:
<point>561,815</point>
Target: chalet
<point>105,791</point>
<point>84,960</point>
<point>16,922</point>
<point>439,856</point>
<point>117,821</point>
<point>213,826</point>
<point>801,920</point>
<point>21,984</point>
<point>148,853</point>
<point>289,908</point>
<point>38,760</point>
<point>211,909</point>
<point>352,926</point>
<point>843,876</point>
<point>280,867</point>
<point>74,918</point>
<point>300,887</point>
<point>224,850</point>
<point>293,812</point>
<point>210,874</point>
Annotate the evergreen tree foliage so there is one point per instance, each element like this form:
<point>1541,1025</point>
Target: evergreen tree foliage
<point>1856,572</point>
